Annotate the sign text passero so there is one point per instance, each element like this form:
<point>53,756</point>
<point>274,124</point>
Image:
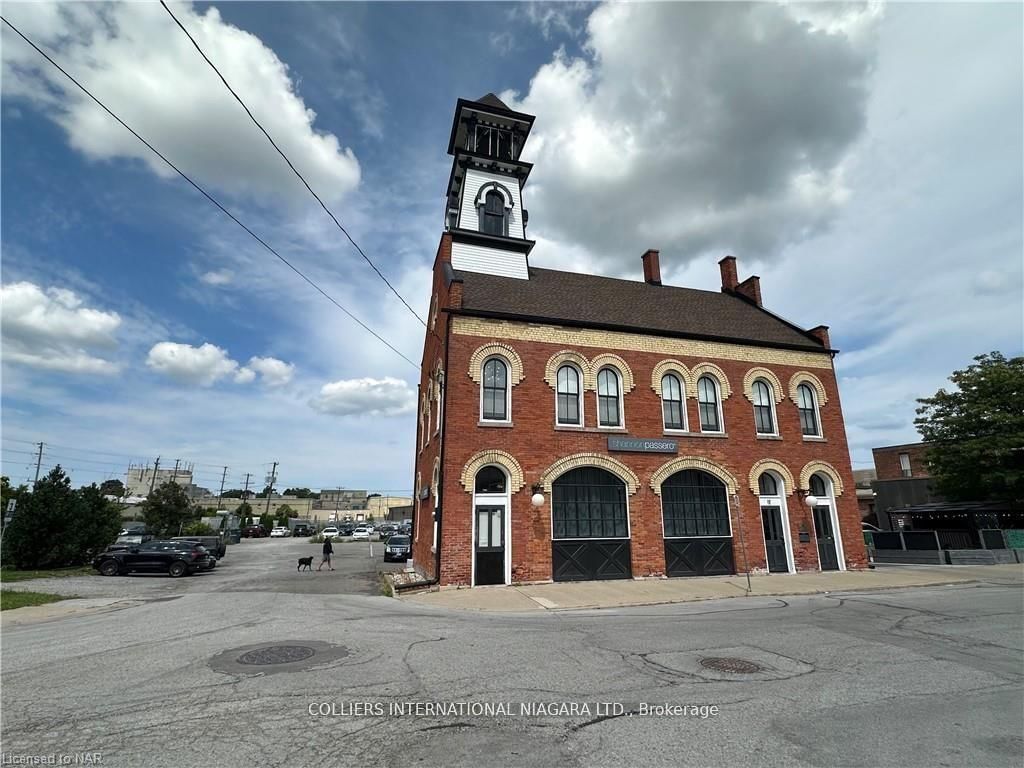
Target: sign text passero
<point>642,445</point>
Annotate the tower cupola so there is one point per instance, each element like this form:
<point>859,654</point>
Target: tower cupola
<point>484,210</point>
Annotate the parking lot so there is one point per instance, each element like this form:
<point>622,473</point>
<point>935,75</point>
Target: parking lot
<point>253,565</point>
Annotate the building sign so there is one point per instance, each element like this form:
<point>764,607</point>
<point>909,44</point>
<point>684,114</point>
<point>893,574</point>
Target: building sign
<point>425,492</point>
<point>642,445</point>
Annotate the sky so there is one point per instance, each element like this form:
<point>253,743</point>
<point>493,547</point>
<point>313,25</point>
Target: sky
<point>864,159</point>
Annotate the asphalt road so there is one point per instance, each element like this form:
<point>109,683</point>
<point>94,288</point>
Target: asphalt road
<point>922,677</point>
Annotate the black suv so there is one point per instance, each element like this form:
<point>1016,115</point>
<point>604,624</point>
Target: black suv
<point>301,529</point>
<point>175,558</point>
<point>215,545</point>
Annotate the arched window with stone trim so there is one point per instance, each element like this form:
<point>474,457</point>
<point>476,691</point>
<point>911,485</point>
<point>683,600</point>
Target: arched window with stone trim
<point>673,402</point>
<point>567,389</point>
<point>494,391</point>
<point>764,407</point>
<point>709,404</point>
<point>493,215</point>
<point>609,398</point>
<point>807,407</point>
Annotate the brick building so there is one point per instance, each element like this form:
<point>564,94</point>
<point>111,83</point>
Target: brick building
<point>576,427</point>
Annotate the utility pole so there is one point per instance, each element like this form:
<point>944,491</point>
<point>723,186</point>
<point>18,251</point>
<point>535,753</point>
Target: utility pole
<point>39,461</point>
<point>152,480</point>
<point>220,496</point>
<point>245,495</point>
<point>174,477</point>
<point>270,487</point>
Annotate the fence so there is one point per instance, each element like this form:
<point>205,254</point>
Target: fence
<point>957,547</point>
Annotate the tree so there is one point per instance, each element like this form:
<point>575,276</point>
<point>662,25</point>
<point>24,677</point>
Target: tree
<point>166,509</point>
<point>197,528</point>
<point>244,510</point>
<point>286,511</point>
<point>112,487</point>
<point>301,493</point>
<point>267,491</point>
<point>976,432</point>
<point>267,520</point>
<point>234,493</point>
<point>56,526</point>
<point>9,492</point>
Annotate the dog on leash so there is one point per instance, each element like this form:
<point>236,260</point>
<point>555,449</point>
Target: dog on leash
<point>305,562</point>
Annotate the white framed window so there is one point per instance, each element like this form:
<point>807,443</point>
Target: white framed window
<point>905,470</point>
<point>764,408</point>
<point>495,392</point>
<point>609,398</point>
<point>807,406</point>
<point>673,403</point>
<point>435,484</point>
<point>440,400</point>
<point>568,403</point>
<point>709,403</point>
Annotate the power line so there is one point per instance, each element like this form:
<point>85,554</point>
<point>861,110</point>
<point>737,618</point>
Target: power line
<point>207,195</point>
<point>289,162</point>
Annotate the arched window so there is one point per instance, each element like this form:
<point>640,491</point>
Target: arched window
<point>693,503</point>
<point>818,489</point>
<point>767,485</point>
<point>672,410</point>
<point>763,400</point>
<point>707,401</point>
<point>588,503</point>
<point>807,405</point>
<point>568,396</point>
<point>494,391</point>
<point>490,480</point>
<point>609,398</point>
<point>440,400</point>
<point>492,214</point>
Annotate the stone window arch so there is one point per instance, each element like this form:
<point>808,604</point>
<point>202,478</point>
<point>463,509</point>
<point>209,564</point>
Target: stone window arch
<point>559,359</point>
<point>482,353</point>
<point>614,361</point>
<point>487,457</point>
<point>710,369</point>
<point>670,366</point>
<point>801,377</point>
<point>567,463</point>
<point>822,467</point>
<point>771,465</point>
<point>670,468</point>
<point>762,373</point>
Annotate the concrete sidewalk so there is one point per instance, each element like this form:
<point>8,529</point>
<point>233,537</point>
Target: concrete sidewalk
<point>35,614</point>
<point>612,594</point>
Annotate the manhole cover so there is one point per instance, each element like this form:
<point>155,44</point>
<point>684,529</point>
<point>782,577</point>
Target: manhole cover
<point>277,654</point>
<point>732,665</point>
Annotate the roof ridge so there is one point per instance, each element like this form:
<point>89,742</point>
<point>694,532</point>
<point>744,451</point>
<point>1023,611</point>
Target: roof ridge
<point>628,280</point>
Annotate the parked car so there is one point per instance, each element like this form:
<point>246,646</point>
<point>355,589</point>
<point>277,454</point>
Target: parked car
<point>176,558</point>
<point>386,530</point>
<point>301,529</point>
<point>346,530</point>
<point>361,533</point>
<point>254,532</point>
<point>397,549</point>
<point>215,545</point>
<point>330,532</point>
<point>278,532</point>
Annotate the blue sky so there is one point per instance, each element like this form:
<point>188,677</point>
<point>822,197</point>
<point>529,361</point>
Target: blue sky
<point>869,173</point>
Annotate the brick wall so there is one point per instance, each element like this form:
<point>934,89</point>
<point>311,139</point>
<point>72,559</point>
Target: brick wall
<point>887,461</point>
<point>536,444</point>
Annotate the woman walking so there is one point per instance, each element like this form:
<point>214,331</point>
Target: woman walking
<point>328,551</point>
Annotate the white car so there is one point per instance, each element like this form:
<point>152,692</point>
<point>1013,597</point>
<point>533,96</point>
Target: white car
<point>279,532</point>
<point>361,533</point>
<point>330,532</point>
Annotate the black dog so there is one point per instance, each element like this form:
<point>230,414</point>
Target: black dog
<point>305,562</point>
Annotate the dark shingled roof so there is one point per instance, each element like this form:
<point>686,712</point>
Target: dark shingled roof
<point>493,101</point>
<point>590,300</point>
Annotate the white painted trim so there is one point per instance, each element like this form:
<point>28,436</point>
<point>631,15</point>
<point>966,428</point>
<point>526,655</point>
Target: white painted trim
<point>622,398</point>
<point>830,502</point>
<point>718,400</point>
<point>580,396</point>
<point>817,410</point>
<point>780,502</point>
<point>508,390</point>
<point>682,404</point>
<point>771,407</point>
<point>492,500</point>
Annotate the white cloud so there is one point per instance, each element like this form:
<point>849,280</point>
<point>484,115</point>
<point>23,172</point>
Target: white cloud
<point>275,373</point>
<point>217,277</point>
<point>134,58</point>
<point>703,127</point>
<point>52,330</point>
<point>372,397</point>
<point>245,376</point>
<point>202,365</point>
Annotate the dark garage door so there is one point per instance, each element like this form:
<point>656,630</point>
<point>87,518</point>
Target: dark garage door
<point>695,513</point>
<point>590,531</point>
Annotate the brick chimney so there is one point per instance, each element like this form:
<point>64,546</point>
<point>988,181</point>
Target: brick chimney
<point>652,267</point>
<point>751,288</point>
<point>728,268</point>
<point>820,332</point>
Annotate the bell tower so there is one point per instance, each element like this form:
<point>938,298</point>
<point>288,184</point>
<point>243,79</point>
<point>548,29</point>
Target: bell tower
<point>484,205</point>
